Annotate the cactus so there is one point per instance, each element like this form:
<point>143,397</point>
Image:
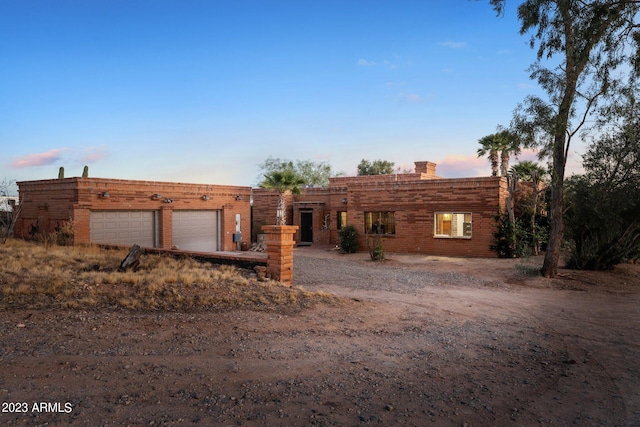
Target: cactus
<point>85,172</point>
<point>61,172</point>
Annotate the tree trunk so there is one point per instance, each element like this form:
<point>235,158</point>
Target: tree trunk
<point>556,210</point>
<point>493,159</point>
<point>512,187</point>
<point>504,163</point>
<point>281,214</point>
<point>132,260</point>
<point>535,180</point>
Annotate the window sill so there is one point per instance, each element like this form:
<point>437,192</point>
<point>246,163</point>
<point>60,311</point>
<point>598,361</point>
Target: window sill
<point>439,236</point>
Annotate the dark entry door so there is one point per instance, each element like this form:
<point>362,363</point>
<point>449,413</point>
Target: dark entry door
<point>306,227</point>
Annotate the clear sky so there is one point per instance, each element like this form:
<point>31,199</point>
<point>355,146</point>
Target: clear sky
<point>204,90</point>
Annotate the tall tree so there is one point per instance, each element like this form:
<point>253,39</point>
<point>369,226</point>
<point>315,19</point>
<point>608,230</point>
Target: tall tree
<point>282,181</point>
<point>499,146</point>
<point>314,173</point>
<point>489,147</point>
<point>509,144</point>
<point>377,167</point>
<point>533,173</point>
<point>586,42</point>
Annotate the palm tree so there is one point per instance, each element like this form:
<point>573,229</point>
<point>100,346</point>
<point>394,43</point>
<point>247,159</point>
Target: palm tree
<point>499,146</point>
<point>529,171</point>
<point>507,144</point>
<point>283,181</point>
<point>490,145</point>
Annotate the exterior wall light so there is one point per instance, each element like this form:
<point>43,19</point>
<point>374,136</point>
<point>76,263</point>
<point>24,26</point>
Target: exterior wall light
<point>104,195</point>
<point>156,196</point>
<point>239,197</point>
<point>344,200</point>
<point>167,200</point>
<point>205,197</point>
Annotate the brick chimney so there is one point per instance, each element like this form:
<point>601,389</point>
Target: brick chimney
<point>428,169</point>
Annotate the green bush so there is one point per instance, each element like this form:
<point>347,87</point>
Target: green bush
<point>349,239</point>
<point>603,225</point>
<point>509,240</point>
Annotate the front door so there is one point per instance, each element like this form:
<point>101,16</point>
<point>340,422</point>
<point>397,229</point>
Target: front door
<point>306,227</point>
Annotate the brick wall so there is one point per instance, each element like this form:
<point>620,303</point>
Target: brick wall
<point>414,205</point>
<point>414,202</point>
<point>49,203</point>
<point>46,204</point>
<point>265,205</point>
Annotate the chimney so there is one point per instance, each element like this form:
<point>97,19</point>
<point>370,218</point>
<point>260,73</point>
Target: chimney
<point>428,169</point>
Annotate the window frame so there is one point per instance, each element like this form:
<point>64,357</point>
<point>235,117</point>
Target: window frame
<point>453,214</point>
<point>368,225</point>
<point>339,219</point>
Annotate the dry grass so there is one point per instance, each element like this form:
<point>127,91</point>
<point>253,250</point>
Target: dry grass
<point>35,276</point>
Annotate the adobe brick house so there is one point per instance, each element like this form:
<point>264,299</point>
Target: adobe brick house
<point>190,217</point>
<point>417,212</point>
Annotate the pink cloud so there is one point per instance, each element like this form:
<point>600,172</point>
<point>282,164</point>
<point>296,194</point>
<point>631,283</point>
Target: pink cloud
<point>456,166</point>
<point>38,159</point>
<point>528,154</point>
<point>93,154</point>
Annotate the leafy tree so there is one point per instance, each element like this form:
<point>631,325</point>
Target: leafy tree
<point>313,173</point>
<point>282,181</point>
<point>377,167</point>
<point>604,204</point>
<point>584,43</point>
<point>603,224</point>
<point>534,173</point>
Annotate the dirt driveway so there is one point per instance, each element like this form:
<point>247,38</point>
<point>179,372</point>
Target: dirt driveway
<point>419,341</point>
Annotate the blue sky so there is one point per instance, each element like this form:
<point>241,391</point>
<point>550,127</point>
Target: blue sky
<point>204,91</point>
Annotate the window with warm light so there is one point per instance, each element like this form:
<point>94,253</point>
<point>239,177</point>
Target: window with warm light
<point>379,223</point>
<point>342,219</point>
<point>452,224</point>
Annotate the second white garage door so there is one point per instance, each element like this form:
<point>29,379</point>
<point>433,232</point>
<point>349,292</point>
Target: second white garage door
<point>196,230</point>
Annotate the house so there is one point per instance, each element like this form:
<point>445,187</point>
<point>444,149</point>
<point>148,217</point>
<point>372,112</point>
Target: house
<point>417,212</point>
<point>7,203</point>
<point>190,217</point>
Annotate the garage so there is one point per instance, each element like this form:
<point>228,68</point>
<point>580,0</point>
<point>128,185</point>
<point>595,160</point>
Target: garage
<point>196,230</point>
<point>123,228</point>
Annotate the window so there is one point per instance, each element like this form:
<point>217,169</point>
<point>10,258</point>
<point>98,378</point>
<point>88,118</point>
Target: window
<point>450,224</point>
<point>379,223</point>
<point>342,219</point>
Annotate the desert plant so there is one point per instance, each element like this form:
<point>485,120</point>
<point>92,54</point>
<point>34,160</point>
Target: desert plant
<point>349,239</point>
<point>375,243</point>
<point>64,234</point>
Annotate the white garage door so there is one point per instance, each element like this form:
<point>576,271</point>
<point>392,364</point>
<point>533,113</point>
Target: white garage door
<point>123,228</point>
<point>195,230</point>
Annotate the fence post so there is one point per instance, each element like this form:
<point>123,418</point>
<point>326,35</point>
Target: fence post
<point>280,245</point>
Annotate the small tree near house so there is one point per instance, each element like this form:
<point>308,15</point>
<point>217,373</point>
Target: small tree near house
<point>282,181</point>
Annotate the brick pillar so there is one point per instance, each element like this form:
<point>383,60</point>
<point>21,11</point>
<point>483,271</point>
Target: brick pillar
<point>166,227</point>
<point>280,244</point>
<point>81,225</point>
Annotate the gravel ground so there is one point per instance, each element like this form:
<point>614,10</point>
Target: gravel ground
<point>418,341</point>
